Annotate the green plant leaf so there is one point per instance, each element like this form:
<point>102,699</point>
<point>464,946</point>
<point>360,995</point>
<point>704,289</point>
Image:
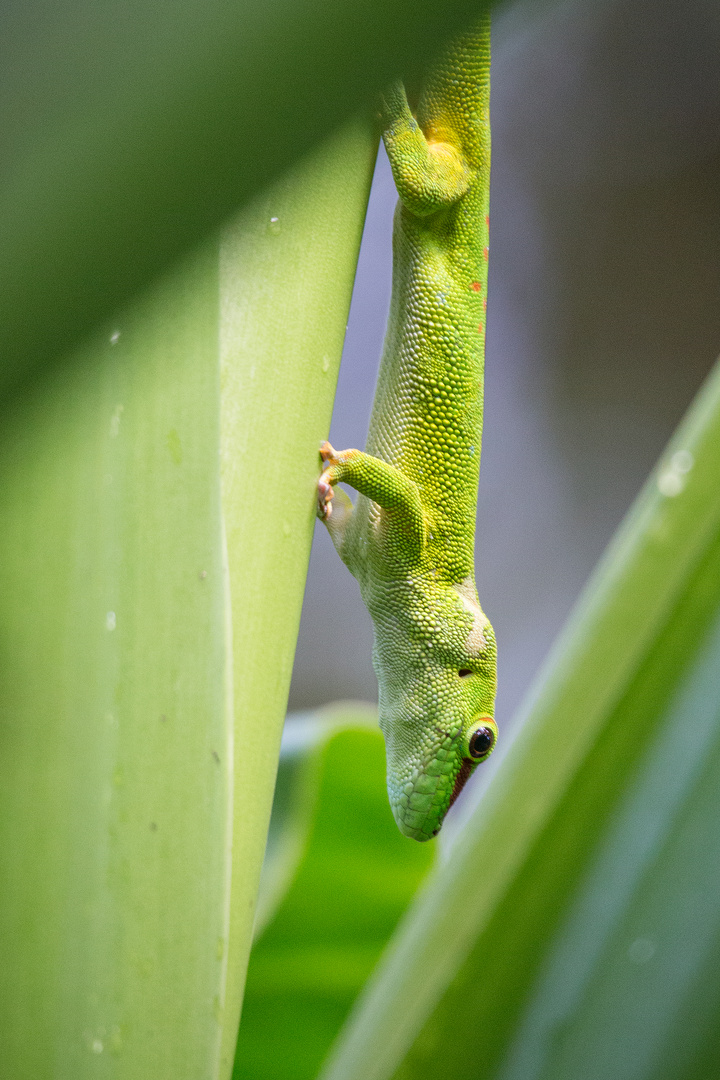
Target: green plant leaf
<point>354,876</point>
<point>130,132</point>
<point>573,930</point>
<point>286,275</point>
<point>157,505</point>
<point>116,731</point>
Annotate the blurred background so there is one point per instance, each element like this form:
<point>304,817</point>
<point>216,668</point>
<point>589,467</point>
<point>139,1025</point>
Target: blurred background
<point>603,315</point>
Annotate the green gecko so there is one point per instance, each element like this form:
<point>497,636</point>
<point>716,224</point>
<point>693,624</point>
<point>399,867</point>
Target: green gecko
<point>410,538</point>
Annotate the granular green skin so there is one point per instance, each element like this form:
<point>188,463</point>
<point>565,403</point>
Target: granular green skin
<point>410,538</point>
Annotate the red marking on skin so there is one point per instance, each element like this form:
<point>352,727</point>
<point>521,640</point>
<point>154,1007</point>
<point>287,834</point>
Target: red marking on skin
<point>485,252</point>
<point>465,770</point>
<point>487,220</point>
<point>480,328</point>
<point>475,286</point>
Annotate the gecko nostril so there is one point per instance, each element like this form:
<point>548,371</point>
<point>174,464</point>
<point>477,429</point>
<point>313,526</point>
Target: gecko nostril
<point>464,672</point>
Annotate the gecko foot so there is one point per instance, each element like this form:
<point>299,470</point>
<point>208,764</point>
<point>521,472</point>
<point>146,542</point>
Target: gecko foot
<point>337,466</point>
<point>325,491</point>
<point>328,453</point>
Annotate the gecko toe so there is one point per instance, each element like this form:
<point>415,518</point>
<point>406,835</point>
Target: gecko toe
<point>325,496</point>
<point>327,453</point>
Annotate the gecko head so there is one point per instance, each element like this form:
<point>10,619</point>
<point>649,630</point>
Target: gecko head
<point>424,785</point>
<point>436,713</point>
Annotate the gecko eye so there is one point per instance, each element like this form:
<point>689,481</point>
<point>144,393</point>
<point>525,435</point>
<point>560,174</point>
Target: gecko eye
<point>481,742</point>
<point>464,672</point>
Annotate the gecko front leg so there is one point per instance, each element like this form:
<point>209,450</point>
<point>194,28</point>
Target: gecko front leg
<point>396,496</point>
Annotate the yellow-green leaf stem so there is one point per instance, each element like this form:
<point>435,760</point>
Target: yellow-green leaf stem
<point>286,272</point>
<point>148,616</point>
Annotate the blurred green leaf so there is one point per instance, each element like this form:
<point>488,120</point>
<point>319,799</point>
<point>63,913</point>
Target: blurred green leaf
<point>152,584</point>
<point>574,930</point>
<point>114,722</point>
<point>296,794</point>
<point>130,131</point>
<point>355,875</point>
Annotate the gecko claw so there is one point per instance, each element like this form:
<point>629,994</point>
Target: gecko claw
<point>327,452</point>
<point>325,496</point>
<point>325,489</point>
